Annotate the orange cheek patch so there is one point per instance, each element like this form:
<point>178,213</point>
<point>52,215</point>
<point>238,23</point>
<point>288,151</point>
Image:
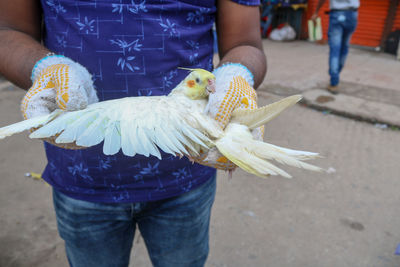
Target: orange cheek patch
<point>190,83</point>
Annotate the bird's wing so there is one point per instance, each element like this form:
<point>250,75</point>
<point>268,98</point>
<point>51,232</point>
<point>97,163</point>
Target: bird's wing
<point>256,117</point>
<point>28,124</point>
<point>137,125</point>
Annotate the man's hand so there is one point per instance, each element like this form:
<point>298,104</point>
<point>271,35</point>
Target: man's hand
<point>319,5</point>
<point>58,82</point>
<point>233,90</point>
<point>314,16</point>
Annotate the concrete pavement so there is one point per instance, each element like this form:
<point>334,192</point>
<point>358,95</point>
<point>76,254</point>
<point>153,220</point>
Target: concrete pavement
<point>369,87</point>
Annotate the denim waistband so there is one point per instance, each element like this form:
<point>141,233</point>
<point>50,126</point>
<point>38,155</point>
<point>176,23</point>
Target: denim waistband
<point>344,9</point>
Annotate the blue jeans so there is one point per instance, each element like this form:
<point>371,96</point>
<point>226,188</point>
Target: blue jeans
<point>341,26</point>
<point>175,230</point>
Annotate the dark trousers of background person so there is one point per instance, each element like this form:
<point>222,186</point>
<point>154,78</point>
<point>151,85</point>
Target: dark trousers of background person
<point>342,24</point>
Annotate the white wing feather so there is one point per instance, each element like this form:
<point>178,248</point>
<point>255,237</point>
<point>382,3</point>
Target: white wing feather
<point>112,138</point>
<point>56,126</point>
<point>254,118</point>
<point>94,133</point>
<point>27,124</point>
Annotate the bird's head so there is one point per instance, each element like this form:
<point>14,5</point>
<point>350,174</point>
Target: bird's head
<point>198,84</point>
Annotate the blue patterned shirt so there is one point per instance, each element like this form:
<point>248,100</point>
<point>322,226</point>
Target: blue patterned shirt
<point>132,48</point>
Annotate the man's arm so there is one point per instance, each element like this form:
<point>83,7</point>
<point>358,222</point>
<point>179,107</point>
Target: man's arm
<point>239,37</point>
<point>319,5</point>
<point>20,46</point>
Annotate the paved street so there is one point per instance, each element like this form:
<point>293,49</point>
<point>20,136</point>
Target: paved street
<point>346,217</point>
<point>369,87</point>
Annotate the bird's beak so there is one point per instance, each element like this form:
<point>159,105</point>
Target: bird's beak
<point>211,86</point>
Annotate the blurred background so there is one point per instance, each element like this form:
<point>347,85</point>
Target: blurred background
<point>347,216</point>
<point>378,25</point>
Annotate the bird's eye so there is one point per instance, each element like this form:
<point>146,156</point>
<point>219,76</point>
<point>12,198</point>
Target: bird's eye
<point>197,80</point>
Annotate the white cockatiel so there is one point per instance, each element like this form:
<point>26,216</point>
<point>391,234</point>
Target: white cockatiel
<point>176,124</point>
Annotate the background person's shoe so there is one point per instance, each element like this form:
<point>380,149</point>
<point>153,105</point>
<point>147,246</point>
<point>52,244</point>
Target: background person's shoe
<point>334,89</point>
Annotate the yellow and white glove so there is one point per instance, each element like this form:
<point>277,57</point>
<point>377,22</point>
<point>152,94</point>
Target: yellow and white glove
<point>233,89</point>
<point>58,82</point>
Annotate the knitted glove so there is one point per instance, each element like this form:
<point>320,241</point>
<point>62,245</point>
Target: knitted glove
<point>233,90</point>
<point>58,82</point>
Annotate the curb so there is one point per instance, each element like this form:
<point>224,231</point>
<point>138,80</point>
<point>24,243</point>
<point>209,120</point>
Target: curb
<point>343,105</point>
<point>353,107</point>
<point>6,85</point>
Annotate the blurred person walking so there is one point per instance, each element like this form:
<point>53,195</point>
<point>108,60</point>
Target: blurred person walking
<point>343,16</point>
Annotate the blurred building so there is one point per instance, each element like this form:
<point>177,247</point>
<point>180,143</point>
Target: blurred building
<point>378,23</point>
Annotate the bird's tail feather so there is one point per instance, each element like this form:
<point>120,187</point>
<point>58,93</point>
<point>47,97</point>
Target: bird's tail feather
<point>248,161</point>
<point>253,156</point>
<point>298,154</point>
<point>281,155</point>
<point>28,124</point>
